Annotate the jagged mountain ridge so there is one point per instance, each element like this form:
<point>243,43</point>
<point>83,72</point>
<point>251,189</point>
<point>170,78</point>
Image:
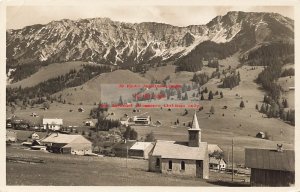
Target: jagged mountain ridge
<point>102,40</point>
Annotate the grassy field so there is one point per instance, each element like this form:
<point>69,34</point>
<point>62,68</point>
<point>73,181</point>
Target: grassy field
<point>57,110</point>
<point>65,170</point>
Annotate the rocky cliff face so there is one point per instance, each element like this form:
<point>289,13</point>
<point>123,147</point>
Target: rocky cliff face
<point>102,40</point>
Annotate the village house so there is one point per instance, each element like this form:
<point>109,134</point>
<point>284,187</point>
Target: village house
<point>271,167</point>
<point>35,136</point>
<point>67,144</point>
<point>89,123</point>
<point>52,124</point>
<point>18,123</point>
<point>136,120</point>
<point>124,121</point>
<point>141,149</point>
<point>216,163</point>
<point>141,120</point>
<point>182,158</point>
<point>11,136</point>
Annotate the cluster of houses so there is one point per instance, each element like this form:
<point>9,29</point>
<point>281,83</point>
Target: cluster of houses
<point>191,158</point>
<point>53,124</point>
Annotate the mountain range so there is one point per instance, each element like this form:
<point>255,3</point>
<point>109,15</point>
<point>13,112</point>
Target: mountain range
<point>101,40</point>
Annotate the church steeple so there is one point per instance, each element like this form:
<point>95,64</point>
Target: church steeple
<point>195,124</point>
<point>194,133</point>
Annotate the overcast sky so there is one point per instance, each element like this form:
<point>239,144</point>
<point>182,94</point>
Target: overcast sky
<point>20,16</point>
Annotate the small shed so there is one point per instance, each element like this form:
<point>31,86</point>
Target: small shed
<point>261,135</point>
<point>34,114</point>
<point>80,109</point>
<point>89,123</point>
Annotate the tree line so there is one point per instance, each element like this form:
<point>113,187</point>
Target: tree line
<point>45,89</point>
<point>231,81</point>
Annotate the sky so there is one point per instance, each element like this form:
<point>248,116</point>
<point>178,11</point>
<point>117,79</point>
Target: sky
<point>21,16</point>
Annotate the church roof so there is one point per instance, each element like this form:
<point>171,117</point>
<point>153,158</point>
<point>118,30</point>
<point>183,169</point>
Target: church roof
<point>177,150</point>
<point>195,124</point>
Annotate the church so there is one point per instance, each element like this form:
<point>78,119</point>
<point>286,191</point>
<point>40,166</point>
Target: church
<point>182,158</point>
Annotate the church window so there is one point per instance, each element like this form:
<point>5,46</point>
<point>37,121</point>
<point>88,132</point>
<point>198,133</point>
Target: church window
<point>182,165</point>
<point>170,164</point>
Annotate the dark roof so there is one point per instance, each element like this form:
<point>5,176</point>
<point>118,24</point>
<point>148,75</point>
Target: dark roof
<point>270,159</point>
<point>122,145</point>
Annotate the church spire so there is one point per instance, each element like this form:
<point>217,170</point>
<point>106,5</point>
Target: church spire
<point>195,124</point>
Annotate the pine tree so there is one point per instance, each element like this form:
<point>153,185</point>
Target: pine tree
<point>210,95</point>
<point>186,96</point>
<point>221,94</point>
<point>212,110</point>
<point>285,103</point>
<point>262,108</point>
<point>178,94</point>
<point>205,90</point>
<point>242,104</point>
<point>202,97</point>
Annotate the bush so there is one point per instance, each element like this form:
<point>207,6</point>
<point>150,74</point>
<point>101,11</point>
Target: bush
<point>288,72</point>
<point>130,134</point>
<point>150,136</point>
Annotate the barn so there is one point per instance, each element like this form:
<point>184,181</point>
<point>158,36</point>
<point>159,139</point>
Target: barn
<point>182,158</point>
<point>271,167</point>
<point>67,144</point>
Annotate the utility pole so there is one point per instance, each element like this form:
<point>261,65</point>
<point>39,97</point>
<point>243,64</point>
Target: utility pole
<point>126,155</point>
<point>232,159</point>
